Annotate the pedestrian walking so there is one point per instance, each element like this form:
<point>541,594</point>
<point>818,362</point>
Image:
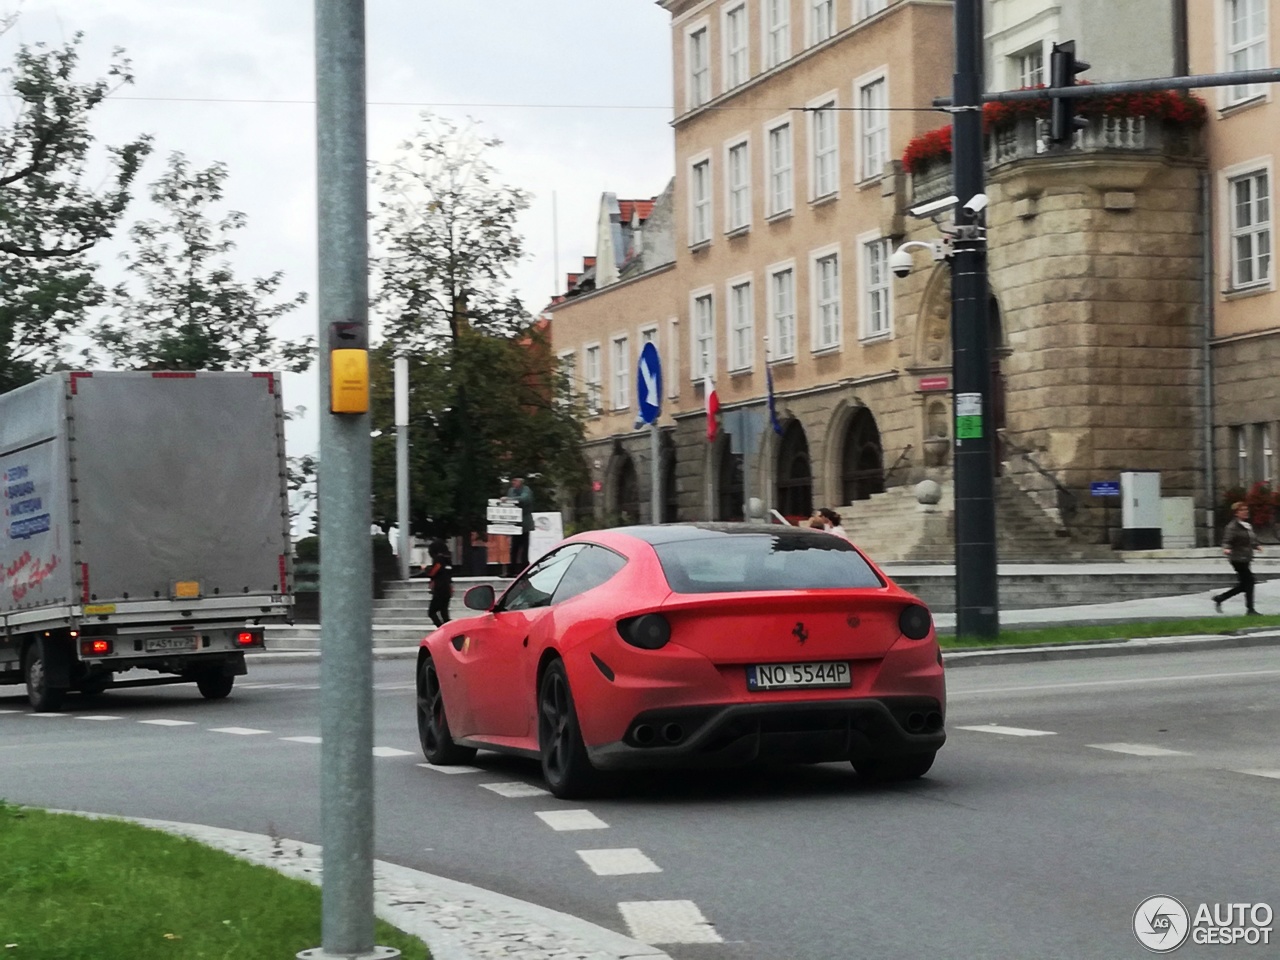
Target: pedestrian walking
<point>827,519</point>
<point>440,573</point>
<point>522,494</point>
<point>1240,544</point>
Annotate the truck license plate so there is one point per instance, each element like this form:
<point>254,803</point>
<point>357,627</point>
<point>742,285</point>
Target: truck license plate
<point>156,644</point>
<point>781,676</point>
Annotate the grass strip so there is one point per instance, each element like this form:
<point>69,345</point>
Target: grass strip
<point>73,888</point>
<point>1096,633</point>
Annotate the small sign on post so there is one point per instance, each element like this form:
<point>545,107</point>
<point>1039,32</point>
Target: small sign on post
<point>505,518</point>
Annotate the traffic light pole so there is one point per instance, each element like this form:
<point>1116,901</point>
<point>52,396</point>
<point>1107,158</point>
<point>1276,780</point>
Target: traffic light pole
<point>977,586</point>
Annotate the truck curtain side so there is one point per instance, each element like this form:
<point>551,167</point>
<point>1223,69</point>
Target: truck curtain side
<point>146,528</point>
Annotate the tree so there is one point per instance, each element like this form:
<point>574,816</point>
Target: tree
<point>487,400</point>
<point>182,307</point>
<point>49,218</point>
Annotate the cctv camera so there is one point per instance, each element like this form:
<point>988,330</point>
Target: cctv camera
<point>933,206</point>
<point>900,263</point>
<point>977,203</point>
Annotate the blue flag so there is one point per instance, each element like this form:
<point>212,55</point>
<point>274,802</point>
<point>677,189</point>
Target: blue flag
<point>773,412</point>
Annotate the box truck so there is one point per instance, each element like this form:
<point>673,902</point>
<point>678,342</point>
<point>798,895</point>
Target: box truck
<point>145,532</point>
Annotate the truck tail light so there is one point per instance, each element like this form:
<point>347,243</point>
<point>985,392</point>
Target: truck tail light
<point>249,638</point>
<point>96,648</point>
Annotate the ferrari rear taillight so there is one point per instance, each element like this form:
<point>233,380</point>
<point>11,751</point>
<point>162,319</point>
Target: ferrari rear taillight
<point>915,621</point>
<point>649,631</point>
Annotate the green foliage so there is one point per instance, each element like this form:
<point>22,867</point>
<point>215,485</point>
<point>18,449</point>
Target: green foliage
<point>182,307</point>
<point>1115,631</point>
<point>111,890</point>
<point>307,550</point>
<point>50,219</point>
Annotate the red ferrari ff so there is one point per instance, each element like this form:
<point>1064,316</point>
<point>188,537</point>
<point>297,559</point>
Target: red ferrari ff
<point>688,644</point>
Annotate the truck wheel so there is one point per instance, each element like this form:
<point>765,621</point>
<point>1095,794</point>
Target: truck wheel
<point>215,686</point>
<point>43,698</point>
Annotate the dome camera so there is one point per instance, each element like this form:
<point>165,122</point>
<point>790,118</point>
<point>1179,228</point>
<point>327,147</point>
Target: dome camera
<point>900,263</point>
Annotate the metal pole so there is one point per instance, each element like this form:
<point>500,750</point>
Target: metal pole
<point>346,556</point>
<point>977,602</point>
<point>1088,91</point>
<point>402,466</point>
<point>655,476</point>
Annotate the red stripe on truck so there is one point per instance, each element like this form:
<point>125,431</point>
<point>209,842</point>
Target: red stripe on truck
<point>271,382</point>
<point>84,582</point>
<point>76,377</point>
<point>173,375</point>
<point>284,574</point>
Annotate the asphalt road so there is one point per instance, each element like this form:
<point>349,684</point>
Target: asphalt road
<point>1087,786</point>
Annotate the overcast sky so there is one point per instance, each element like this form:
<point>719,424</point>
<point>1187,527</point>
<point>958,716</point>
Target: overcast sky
<point>579,91</point>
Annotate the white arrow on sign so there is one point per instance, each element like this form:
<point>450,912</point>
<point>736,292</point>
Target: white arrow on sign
<point>650,384</point>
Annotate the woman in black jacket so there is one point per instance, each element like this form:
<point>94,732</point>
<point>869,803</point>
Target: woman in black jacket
<point>1240,543</point>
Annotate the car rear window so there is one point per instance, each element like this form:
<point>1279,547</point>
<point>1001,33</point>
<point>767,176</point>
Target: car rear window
<point>764,562</point>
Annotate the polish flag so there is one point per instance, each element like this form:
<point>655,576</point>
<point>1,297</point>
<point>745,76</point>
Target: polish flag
<point>713,408</point>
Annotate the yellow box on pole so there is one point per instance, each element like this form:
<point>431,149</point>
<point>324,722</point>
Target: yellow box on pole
<point>349,381</point>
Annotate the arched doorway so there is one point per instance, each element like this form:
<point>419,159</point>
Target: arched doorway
<point>628,490</point>
<point>729,488</point>
<point>795,475</point>
<point>862,458</point>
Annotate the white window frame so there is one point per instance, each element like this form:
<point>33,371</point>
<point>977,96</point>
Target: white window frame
<point>782,344</point>
<point>774,206</point>
<point>1251,54</point>
<point>818,304</point>
<point>871,127</point>
<point>812,35</point>
<point>702,334</point>
<point>737,59</point>
<point>876,286</point>
<point>672,374</point>
<point>1022,72</point>
<point>620,371</point>
<point>741,323</point>
<point>701,205</point>
<point>697,88</point>
<point>775,34</point>
<point>737,184</point>
<point>1229,177</point>
<point>648,334</point>
<point>591,379</point>
<point>1242,454</point>
<point>868,8</point>
<point>1267,460</point>
<point>815,113</point>
<point>568,361</point>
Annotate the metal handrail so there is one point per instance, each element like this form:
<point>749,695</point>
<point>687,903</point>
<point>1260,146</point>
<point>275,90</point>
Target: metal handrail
<point>902,457</point>
<point>1028,457</point>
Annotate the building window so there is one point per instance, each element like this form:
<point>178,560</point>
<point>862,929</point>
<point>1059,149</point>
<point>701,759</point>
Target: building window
<point>735,46</point>
<point>699,67</point>
<point>1028,67</point>
<point>568,377</point>
<point>739,164</point>
<point>877,316</point>
<point>873,98</point>
<point>620,368</point>
<point>782,313</point>
<point>780,180</point>
<point>1246,43</point>
<point>1268,453</point>
<point>826,161</point>
<point>704,336</point>
<point>649,335</point>
<point>1250,200</point>
<point>742,326</point>
<point>591,378</point>
<point>822,20</point>
<point>777,37</point>
<point>700,197</point>
<point>826,301</point>
<point>673,341</point>
<point>867,7</point>
<point>1242,455</point>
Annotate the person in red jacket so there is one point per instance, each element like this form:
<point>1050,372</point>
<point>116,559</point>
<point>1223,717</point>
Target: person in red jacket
<point>440,573</point>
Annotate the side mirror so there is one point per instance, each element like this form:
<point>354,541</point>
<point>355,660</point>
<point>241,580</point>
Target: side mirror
<point>479,598</point>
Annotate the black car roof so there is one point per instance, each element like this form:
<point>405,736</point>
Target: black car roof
<point>672,532</point>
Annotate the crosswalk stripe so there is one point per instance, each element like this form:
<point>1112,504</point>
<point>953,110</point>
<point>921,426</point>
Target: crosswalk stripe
<point>1272,774</point>
<point>571,820</point>
<point>617,863</point>
<point>238,731</point>
<point>458,769</point>
<point>1010,731</point>
<point>99,718</point>
<point>391,752</point>
<point>46,714</point>
<point>170,723</point>
<point>302,739</point>
<point>1139,749</point>
<point>668,921</point>
<point>513,790</point>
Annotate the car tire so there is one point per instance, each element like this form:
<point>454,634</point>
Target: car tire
<point>565,765</point>
<point>215,685</point>
<point>433,724</point>
<point>42,697</point>
<point>911,767</point>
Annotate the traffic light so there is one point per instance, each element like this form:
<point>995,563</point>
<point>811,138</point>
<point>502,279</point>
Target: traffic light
<point>1063,67</point>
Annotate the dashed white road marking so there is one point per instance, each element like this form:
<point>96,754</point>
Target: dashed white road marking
<point>302,739</point>
<point>170,723</point>
<point>617,863</point>
<point>1273,774</point>
<point>458,769</point>
<point>1010,731</point>
<point>515,789</point>
<point>238,731</point>
<point>10,711</point>
<point>1139,749</point>
<point>668,921</point>
<point>99,718</point>
<point>571,820</point>
<point>391,752</point>
<point>46,714</point>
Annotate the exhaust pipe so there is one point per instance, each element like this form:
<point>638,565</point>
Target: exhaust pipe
<point>644,734</point>
<point>915,722</point>
<point>673,733</point>
<point>933,722</point>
